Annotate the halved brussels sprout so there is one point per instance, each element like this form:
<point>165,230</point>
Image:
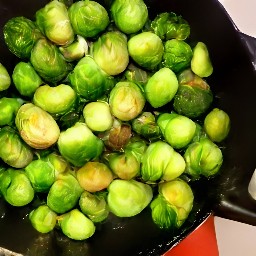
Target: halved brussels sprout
<point>79,145</point>
<point>43,219</point>
<point>126,100</point>
<point>5,79</point>
<point>161,87</point>
<point>13,150</point>
<point>146,49</point>
<point>127,198</point>
<point>55,100</point>
<point>94,176</point>
<point>129,16</point>
<point>76,225</point>
<point>16,187</point>
<point>111,53</point>
<point>20,35</point>
<point>88,18</point>
<point>36,127</point>
<point>25,79</point>
<point>53,21</point>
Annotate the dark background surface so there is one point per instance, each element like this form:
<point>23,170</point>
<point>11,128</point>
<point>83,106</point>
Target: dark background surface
<point>234,84</point>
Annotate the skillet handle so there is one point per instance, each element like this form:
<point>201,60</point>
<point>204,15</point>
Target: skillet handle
<point>250,43</point>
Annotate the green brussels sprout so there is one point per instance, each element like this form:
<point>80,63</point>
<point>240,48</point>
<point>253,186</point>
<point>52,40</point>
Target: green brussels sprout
<point>88,79</point>
<point>59,164</point>
<point>201,63</point>
<point>129,16</point>
<point>127,198</point>
<point>25,79</point>
<point>64,193</point>
<point>178,130</point>
<point>94,176</point>
<point>111,53</point>
<point>117,137</point>
<point>88,18</point>
<point>177,55</point>
<point>41,174</point>
<point>161,87</point>
<point>161,162</point>
<point>76,225</point>
<point>135,74</point>
<point>8,110</point>
<point>146,49</point>
<point>43,219</point>
<point>194,95</point>
<point>48,61</point>
<point>217,125</point>
<point>79,145</point>
<point>76,50</point>
<point>13,150</point>
<point>145,125</point>
<point>16,187</point>
<point>203,158</point>
<point>173,204</point>
<point>126,100</point>
<point>97,116</point>
<point>53,21</point>
<point>20,35</point>
<point>94,206</point>
<point>170,26</point>
<point>55,100</point>
<point>36,127</point>
<point>5,79</point>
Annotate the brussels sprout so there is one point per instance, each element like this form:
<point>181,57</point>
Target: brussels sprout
<point>161,162</point>
<point>145,125</point>
<point>94,206</point>
<point>146,49</point>
<point>79,145</point>
<point>194,95</point>
<point>48,61</point>
<point>97,116</point>
<point>94,176</point>
<point>43,219</point>
<point>8,109</point>
<point>170,26</point>
<point>201,63</point>
<point>111,53</point>
<point>54,23</point>
<point>20,35</point>
<point>126,100</point>
<point>129,16</point>
<point>127,198</point>
<point>13,150</point>
<point>203,158</point>
<point>5,79</point>
<point>76,50</point>
<point>118,136</point>
<point>161,87</point>
<point>64,193</point>
<point>137,75</point>
<point>177,55</point>
<point>217,125</point>
<point>25,79</point>
<point>36,127</point>
<point>16,188</point>
<point>55,100</point>
<point>88,80</point>
<point>41,174</point>
<point>59,164</point>
<point>88,18</point>
<point>178,130</point>
<point>76,225</point>
<point>173,204</point>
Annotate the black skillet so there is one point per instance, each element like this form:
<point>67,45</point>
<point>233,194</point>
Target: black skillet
<point>234,84</point>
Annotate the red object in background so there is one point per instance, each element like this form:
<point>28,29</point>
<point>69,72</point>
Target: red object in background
<point>201,242</point>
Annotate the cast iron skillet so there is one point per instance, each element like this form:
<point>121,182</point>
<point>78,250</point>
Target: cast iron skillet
<point>234,84</point>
